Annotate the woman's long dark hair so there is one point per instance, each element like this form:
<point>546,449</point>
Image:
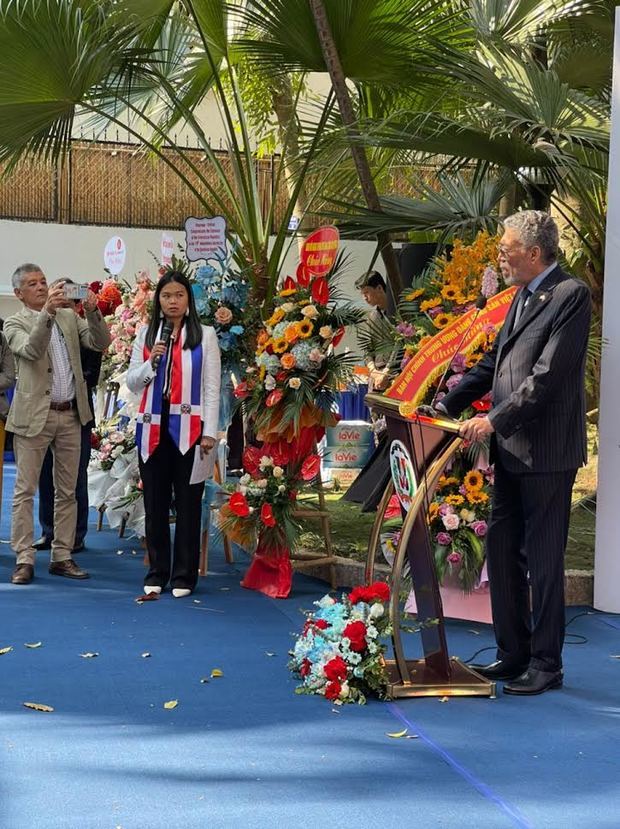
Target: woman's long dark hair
<point>192,320</point>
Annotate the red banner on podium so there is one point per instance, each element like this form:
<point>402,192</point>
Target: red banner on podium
<point>431,360</point>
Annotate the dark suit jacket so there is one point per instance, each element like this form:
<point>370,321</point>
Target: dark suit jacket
<point>536,374</point>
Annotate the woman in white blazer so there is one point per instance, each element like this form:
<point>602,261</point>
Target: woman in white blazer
<point>175,367</point>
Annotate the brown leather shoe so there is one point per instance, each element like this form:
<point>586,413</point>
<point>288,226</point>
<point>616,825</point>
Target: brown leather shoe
<point>68,569</point>
<point>22,574</point>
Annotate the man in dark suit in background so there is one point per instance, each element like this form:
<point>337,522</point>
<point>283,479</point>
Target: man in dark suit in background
<point>538,440</point>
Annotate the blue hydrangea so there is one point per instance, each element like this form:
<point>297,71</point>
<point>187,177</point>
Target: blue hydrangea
<point>301,353</point>
<point>207,275</point>
<point>270,361</point>
<point>279,329</point>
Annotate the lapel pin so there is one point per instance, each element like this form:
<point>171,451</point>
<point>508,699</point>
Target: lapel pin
<point>543,297</point>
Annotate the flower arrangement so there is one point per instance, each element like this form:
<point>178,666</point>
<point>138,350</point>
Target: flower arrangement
<point>339,653</point>
<point>110,441</point>
<point>458,520</point>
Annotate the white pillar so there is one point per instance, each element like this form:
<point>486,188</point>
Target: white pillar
<point>607,557</point>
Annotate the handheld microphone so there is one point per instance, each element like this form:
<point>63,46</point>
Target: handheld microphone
<point>480,304</point>
<point>166,333</point>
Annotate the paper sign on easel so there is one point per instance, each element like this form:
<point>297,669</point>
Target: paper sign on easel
<point>205,238</point>
<point>167,248</point>
<point>114,255</point>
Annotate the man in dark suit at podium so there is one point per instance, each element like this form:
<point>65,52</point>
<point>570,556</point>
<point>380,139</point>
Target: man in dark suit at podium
<point>538,440</point>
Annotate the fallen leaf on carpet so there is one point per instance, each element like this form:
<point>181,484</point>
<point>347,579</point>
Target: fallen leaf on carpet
<point>204,680</point>
<point>475,632</point>
<point>172,703</point>
<point>134,553</point>
<point>5,650</point>
<point>119,552</point>
<point>37,706</point>
<point>396,734</point>
<point>269,653</point>
<point>89,655</point>
<point>32,644</point>
<point>444,699</point>
<point>147,597</point>
<point>197,601</point>
<point>216,672</point>
<point>146,655</point>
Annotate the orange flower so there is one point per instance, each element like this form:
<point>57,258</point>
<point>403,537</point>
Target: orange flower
<point>275,318</point>
<point>288,361</point>
<point>291,334</point>
<point>263,337</point>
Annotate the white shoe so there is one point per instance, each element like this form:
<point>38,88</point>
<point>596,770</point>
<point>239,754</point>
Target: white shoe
<point>151,588</point>
<point>180,592</point>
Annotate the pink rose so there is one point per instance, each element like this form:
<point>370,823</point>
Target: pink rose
<point>455,557</point>
<point>480,528</point>
<point>223,315</point>
<point>444,539</point>
<point>451,521</point>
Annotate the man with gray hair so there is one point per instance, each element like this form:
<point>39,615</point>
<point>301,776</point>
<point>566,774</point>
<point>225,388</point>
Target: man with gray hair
<point>538,440</point>
<point>49,404</point>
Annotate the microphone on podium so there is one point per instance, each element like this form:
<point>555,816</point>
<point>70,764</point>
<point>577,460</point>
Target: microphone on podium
<point>166,333</point>
<point>480,304</point>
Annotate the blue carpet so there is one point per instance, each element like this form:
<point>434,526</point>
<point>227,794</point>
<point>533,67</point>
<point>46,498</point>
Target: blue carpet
<point>245,751</point>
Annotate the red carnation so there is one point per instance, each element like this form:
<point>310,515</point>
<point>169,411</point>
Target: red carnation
<point>310,467</point>
<point>239,505</point>
<point>251,459</point>
<point>267,516</point>
<point>358,594</point>
<point>321,624</point>
<point>320,291</point>
<point>335,669</point>
<point>356,633</point>
<point>274,398</point>
<point>379,590</point>
<point>332,690</point>
<point>304,670</point>
<point>241,390</point>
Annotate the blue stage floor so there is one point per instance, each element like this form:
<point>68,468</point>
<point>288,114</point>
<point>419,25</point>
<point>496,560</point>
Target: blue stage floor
<point>245,751</point>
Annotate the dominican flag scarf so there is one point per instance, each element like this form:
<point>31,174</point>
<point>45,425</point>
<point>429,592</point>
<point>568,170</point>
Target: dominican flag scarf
<point>184,423</point>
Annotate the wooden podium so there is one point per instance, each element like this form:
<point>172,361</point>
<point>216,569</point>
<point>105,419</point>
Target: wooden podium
<point>422,447</point>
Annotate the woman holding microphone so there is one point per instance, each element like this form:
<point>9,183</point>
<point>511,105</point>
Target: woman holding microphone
<point>175,367</point>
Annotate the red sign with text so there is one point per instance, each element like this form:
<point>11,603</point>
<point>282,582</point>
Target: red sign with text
<point>319,251</point>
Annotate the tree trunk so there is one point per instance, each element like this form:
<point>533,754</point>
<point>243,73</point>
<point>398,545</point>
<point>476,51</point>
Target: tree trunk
<point>334,67</point>
<point>288,129</point>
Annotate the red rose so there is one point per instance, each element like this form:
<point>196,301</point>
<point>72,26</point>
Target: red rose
<point>356,633</point>
<point>336,669</point>
<point>304,670</point>
<point>267,516</point>
<point>332,690</point>
<point>251,459</point>
<point>239,505</point>
<point>95,441</point>
<point>274,398</point>
<point>320,291</point>
<point>241,390</point>
<point>321,624</point>
<point>310,467</point>
<point>96,287</point>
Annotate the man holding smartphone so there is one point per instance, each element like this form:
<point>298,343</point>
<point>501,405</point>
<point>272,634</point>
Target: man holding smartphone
<point>48,408</point>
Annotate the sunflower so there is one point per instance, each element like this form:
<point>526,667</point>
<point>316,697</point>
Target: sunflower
<point>280,345</point>
<point>430,303</point>
<point>433,510</point>
<point>454,500</point>
<point>304,329</point>
<point>414,294</point>
<point>450,292</point>
<point>477,497</point>
<point>444,482</point>
<point>442,320</point>
<point>473,480</point>
<point>275,318</point>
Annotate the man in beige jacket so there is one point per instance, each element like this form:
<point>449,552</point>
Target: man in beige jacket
<point>49,405</point>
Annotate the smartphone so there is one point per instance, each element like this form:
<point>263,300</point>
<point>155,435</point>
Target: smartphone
<point>72,291</point>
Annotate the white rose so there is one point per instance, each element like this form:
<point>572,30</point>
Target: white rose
<point>118,450</point>
<point>270,382</point>
<point>277,472</point>
<point>287,307</point>
<point>451,521</point>
<point>344,690</point>
<point>325,331</point>
<point>262,484</point>
<point>310,312</point>
<point>281,488</point>
<point>377,611</point>
<point>468,515</point>
<point>244,480</point>
<point>294,382</point>
<point>265,461</point>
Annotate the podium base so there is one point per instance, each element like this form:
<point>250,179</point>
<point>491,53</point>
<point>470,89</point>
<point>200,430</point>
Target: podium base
<point>424,682</point>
